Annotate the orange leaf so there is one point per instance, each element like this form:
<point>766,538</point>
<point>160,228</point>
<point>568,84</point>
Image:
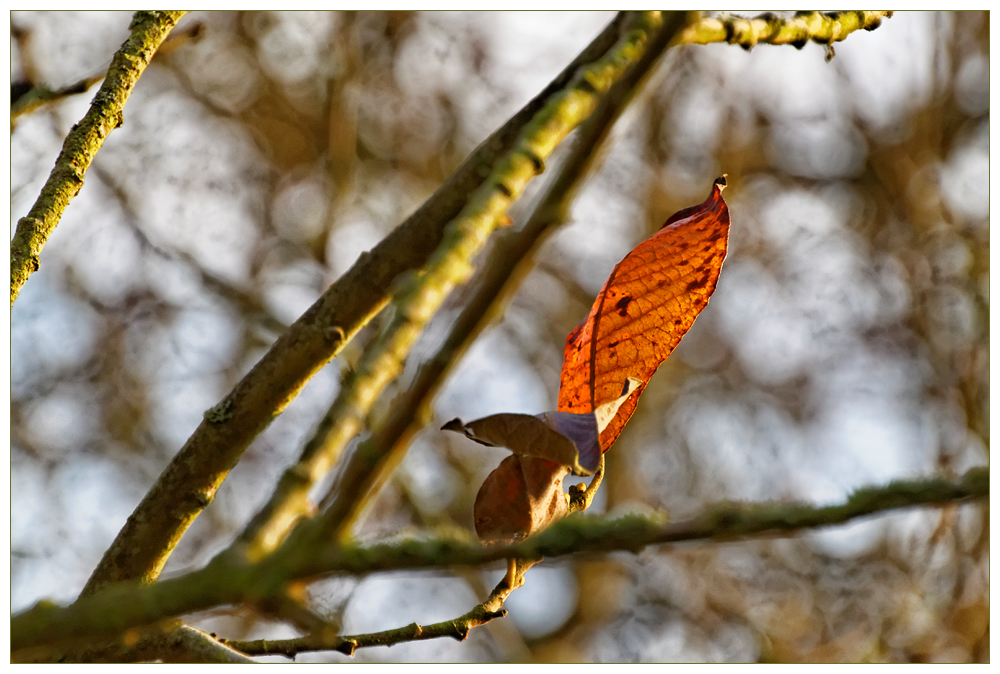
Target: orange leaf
<point>647,304</point>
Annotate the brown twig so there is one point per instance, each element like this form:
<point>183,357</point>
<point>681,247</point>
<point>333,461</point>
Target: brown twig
<point>327,640</point>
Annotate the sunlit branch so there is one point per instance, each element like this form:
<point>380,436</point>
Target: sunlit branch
<point>419,296</point>
<point>508,264</point>
<point>105,114</point>
<point>229,579</point>
<point>822,27</point>
<point>190,481</point>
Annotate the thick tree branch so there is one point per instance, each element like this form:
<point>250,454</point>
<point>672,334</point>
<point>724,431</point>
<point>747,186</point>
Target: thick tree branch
<point>170,642</point>
<point>105,114</point>
<point>229,579</point>
<point>189,483</point>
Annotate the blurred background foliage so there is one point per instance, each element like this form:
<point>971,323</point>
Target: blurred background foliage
<point>847,343</point>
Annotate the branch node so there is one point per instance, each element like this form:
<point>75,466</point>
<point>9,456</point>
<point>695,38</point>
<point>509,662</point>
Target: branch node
<point>347,647</point>
<point>334,335</point>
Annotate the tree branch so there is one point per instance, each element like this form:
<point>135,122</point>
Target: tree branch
<point>38,96</point>
<point>229,579</point>
<point>84,140</point>
<point>172,642</point>
<point>189,482</point>
<point>823,28</point>
<point>509,263</point>
<point>329,640</point>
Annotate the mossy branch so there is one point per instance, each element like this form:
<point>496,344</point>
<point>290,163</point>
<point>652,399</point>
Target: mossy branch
<point>105,115</point>
<point>229,579</point>
<point>419,296</point>
<point>170,641</point>
<point>189,482</point>
<point>822,27</point>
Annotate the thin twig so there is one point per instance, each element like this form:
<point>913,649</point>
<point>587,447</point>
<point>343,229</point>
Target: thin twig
<point>457,628</point>
<point>105,114</point>
<point>229,579</point>
<point>39,95</point>
<point>823,28</point>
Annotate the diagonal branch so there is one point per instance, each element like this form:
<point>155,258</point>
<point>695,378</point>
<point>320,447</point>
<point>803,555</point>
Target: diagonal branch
<point>105,114</point>
<point>189,482</point>
<point>228,579</point>
<point>509,263</point>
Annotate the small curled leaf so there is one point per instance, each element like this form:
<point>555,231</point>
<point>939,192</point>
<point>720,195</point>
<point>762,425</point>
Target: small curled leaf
<point>522,496</point>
